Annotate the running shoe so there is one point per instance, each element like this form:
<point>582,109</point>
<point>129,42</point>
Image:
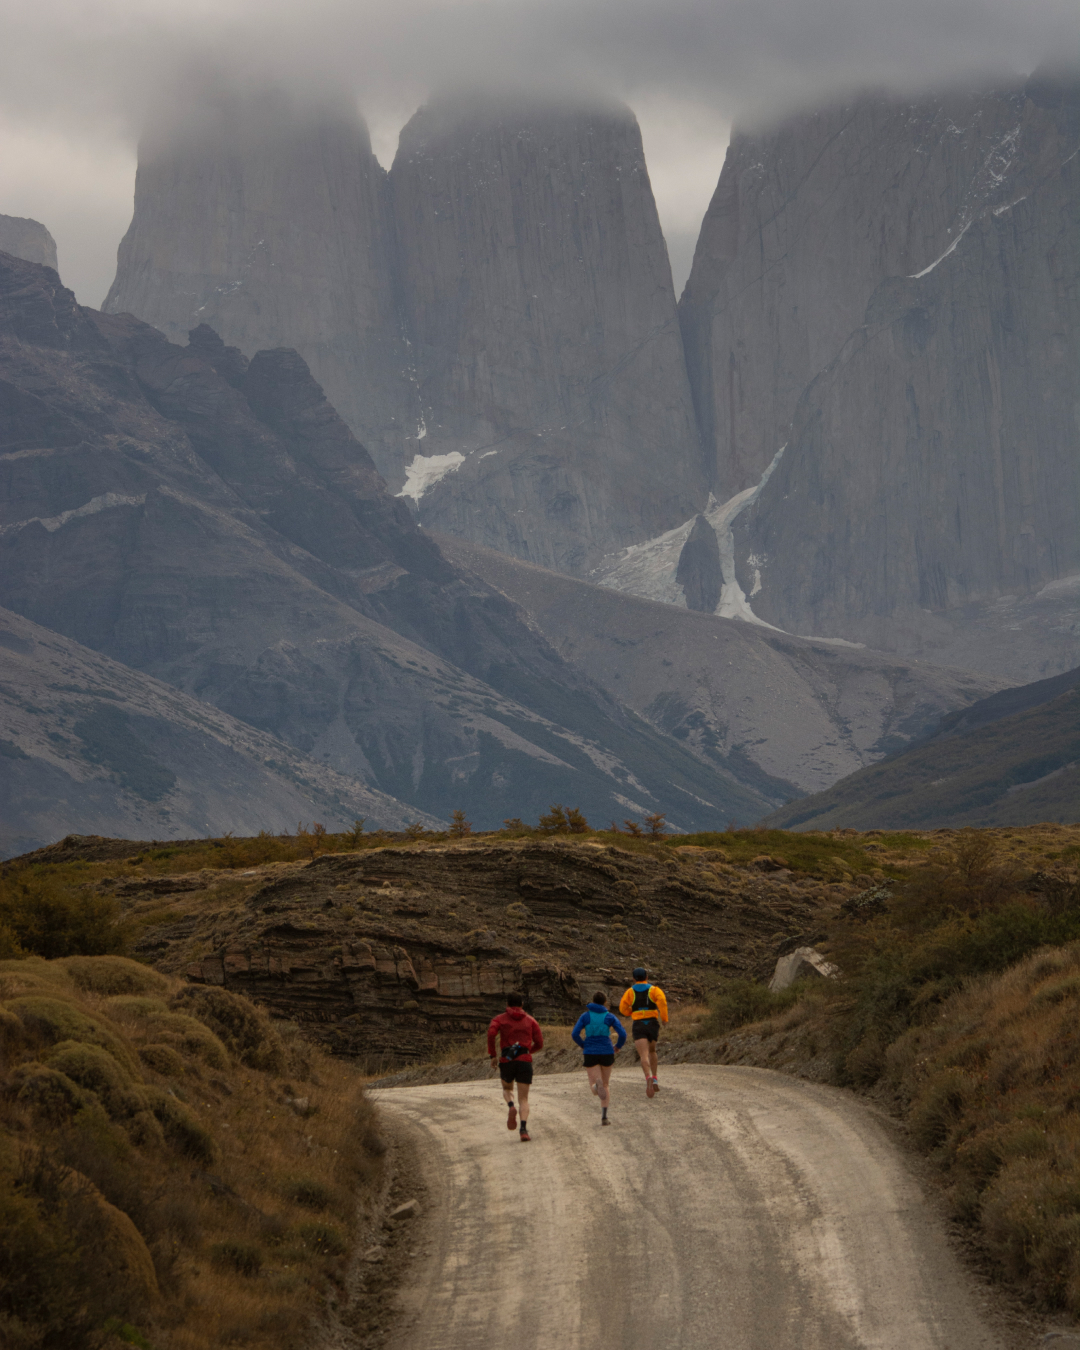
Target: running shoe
<point>650,1087</point>
<point>594,1088</point>
<point>524,1133</point>
<point>604,1120</point>
<point>511,1119</point>
<point>656,1085</point>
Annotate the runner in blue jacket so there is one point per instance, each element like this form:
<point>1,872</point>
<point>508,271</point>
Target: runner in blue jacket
<point>592,1031</point>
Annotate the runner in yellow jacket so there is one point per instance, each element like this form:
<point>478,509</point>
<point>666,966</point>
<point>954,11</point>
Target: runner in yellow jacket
<point>646,1006</point>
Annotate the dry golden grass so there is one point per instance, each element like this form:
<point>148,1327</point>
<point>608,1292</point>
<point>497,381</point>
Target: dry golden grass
<point>237,1152</point>
<point>993,1089</point>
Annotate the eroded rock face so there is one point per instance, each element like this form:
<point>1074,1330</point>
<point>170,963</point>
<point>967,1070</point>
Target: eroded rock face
<point>397,951</point>
<point>29,239</point>
<point>541,309</point>
<point>891,291</point>
<point>271,225</point>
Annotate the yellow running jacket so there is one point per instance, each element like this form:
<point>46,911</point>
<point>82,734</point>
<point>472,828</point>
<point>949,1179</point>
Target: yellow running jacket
<point>643,1001</point>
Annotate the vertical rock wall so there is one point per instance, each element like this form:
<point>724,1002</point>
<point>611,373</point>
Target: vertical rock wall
<point>272,226</point>
<point>806,221</point>
<point>936,462</point>
<point>548,352</point>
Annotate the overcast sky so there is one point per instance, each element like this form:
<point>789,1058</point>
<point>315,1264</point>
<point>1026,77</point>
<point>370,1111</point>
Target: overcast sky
<point>79,77</point>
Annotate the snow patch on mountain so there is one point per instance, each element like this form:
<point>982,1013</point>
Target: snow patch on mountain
<point>426,470</point>
<point>648,570</point>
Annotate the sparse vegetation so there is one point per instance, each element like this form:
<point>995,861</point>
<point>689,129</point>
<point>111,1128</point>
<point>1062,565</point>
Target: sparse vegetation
<point>175,1170</point>
<point>961,996</point>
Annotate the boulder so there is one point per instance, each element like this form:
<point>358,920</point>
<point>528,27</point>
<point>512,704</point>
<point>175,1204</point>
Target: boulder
<point>801,964</point>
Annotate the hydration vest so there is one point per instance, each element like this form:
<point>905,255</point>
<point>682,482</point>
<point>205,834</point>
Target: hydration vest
<point>597,1025</point>
<point>643,1005</point>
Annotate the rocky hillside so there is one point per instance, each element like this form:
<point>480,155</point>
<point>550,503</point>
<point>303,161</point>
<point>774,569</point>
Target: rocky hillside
<point>90,743</point>
<point>1011,759</point>
<point>901,276</point>
<point>539,302</point>
<point>797,712</point>
<point>394,950</point>
<point>213,523</point>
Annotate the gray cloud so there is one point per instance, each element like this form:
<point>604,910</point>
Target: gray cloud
<point>90,76</point>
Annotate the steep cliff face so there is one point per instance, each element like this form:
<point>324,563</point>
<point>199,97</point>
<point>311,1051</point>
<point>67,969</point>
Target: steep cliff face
<point>891,291</point>
<point>539,299</point>
<point>810,217</point>
<point>934,463</point>
<point>29,239</point>
<point>271,225</point>
<point>214,523</point>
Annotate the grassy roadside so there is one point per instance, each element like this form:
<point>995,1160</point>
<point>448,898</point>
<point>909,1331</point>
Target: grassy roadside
<point>958,1005</point>
<point>176,1171</point>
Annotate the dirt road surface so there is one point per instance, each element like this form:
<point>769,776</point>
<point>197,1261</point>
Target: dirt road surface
<point>738,1209</point>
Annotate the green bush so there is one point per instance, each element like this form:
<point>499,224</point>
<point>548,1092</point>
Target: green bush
<point>739,1002</point>
<point>42,917</point>
<point>96,1070</point>
<point>245,1030</point>
<point>181,1127</point>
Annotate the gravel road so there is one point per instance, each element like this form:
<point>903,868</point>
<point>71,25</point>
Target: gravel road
<point>738,1209</point>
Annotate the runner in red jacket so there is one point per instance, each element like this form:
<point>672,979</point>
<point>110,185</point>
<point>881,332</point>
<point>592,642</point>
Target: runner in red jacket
<point>519,1035</point>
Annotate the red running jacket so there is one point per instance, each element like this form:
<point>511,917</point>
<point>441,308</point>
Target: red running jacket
<point>515,1027</point>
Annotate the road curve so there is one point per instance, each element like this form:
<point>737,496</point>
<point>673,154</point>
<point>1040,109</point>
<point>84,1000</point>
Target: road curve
<point>739,1209</point>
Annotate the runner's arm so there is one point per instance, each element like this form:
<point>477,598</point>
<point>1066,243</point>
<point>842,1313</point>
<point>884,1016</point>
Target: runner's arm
<point>493,1031</point>
<point>538,1036</point>
<point>661,1002</point>
<point>620,1030</point>
<point>626,1003</point>
<point>576,1035</point>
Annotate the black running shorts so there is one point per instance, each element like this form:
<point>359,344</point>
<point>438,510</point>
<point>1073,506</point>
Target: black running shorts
<point>514,1071</point>
<point>606,1060</point>
<point>647,1029</point>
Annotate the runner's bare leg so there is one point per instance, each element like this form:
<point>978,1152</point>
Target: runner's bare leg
<point>642,1048</point>
<point>599,1074</point>
<point>523,1101</point>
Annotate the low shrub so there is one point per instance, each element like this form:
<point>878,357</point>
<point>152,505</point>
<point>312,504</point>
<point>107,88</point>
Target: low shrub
<point>42,916</point>
<point>738,1002</point>
<point>244,1029</point>
<point>158,1153</point>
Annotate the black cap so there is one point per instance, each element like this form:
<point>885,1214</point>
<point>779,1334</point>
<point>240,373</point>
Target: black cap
<point>640,972</point>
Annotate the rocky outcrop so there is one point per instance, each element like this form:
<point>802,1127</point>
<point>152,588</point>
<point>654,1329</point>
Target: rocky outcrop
<point>28,239</point>
<point>270,223</point>
<point>804,963</point>
<point>91,745</point>
<point>890,290</point>
<point>548,354</point>
<point>217,525</point>
<point>395,952</point>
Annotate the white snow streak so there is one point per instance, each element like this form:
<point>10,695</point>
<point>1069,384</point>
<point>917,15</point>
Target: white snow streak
<point>425,471</point>
<point>951,249</point>
<point>733,602</point>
